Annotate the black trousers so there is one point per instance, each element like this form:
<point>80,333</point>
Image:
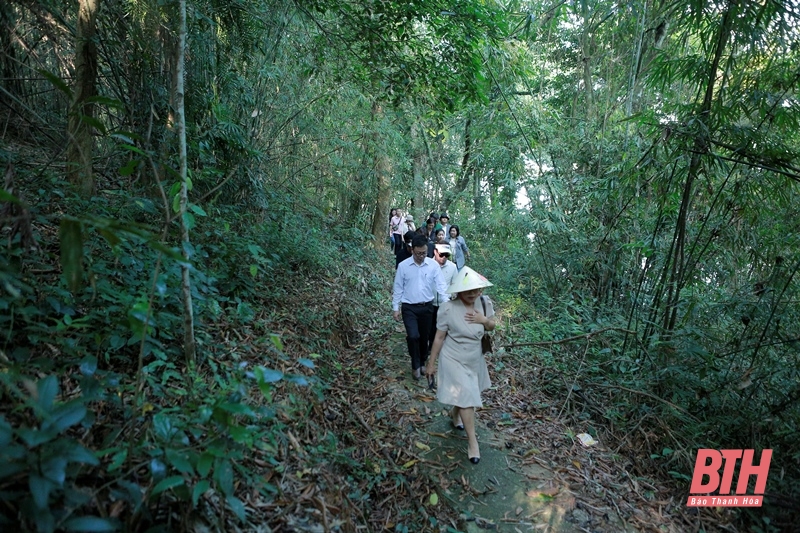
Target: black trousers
<point>397,241</point>
<point>432,334</point>
<point>417,320</point>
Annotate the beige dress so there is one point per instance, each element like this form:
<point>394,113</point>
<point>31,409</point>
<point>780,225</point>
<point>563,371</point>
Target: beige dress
<point>462,371</point>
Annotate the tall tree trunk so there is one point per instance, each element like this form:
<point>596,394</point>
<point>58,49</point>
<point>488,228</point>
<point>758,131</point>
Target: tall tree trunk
<point>587,60</point>
<point>418,168</point>
<point>635,61</point>
<point>189,345</point>
<point>679,261</point>
<point>429,198</point>
<point>476,195</point>
<point>380,218</point>
<point>80,144</point>
<point>10,63</point>
<point>466,168</point>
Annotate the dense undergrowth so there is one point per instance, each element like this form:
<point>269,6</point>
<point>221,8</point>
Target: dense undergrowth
<point>104,426</point>
<point>655,403</point>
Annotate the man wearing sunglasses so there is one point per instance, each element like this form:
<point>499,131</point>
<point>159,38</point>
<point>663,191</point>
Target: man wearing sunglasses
<point>417,281</point>
<point>449,269</point>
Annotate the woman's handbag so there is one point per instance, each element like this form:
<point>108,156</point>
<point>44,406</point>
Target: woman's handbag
<point>486,340</point>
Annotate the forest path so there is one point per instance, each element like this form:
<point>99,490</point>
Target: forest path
<point>506,491</point>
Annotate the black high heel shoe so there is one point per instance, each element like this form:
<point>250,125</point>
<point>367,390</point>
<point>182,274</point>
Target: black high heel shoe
<point>474,459</point>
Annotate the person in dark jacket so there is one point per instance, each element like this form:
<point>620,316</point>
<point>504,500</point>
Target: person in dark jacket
<point>405,253</point>
<point>444,220</point>
<point>427,229</point>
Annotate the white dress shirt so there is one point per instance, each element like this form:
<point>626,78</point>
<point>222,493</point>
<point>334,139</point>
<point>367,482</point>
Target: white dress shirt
<point>416,284</point>
<point>449,271</point>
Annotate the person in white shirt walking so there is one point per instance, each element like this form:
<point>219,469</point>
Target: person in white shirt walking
<point>410,224</point>
<point>463,373</point>
<point>417,280</point>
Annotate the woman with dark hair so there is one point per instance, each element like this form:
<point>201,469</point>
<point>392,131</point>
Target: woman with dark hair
<point>395,231</point>
<point>463,375</point>
<point>428,228</point>
<point>459,247</point>
<point>405,253</point>
<point>434,237</point>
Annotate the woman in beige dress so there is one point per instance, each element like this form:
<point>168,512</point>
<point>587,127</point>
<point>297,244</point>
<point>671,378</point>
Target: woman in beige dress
<point>462,371</point>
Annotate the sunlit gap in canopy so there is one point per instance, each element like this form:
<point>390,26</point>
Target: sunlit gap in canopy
<point>533,171</point>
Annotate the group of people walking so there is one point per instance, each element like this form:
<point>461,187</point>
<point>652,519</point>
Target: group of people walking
<point>446,315</point>
<point>437,230</point>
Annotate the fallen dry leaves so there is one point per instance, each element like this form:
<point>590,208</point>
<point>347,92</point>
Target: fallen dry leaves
<point>377,475</point>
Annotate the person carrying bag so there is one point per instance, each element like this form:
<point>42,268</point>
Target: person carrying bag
<point>463,374</point>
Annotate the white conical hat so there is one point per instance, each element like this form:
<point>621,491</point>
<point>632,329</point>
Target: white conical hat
<point>466,280</point>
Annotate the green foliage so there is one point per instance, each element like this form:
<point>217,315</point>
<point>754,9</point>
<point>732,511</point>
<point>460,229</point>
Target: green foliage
<point>426,50</point>
<point>608,165</point>
<point>187,450</point>
<point>648,215</point>
<point>37,451</point>
<point>124,419</point>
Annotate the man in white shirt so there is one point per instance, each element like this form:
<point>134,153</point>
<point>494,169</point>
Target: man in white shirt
<point>418,279</point>
<point>449,270</point>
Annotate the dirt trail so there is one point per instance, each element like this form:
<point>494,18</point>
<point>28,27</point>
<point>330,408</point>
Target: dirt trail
<point>509,490</point>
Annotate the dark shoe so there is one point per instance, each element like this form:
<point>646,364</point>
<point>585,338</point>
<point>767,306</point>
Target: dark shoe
<point>453,418</point>
<point>474,459</point>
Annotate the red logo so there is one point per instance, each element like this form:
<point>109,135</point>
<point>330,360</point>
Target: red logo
<point>699,493</point>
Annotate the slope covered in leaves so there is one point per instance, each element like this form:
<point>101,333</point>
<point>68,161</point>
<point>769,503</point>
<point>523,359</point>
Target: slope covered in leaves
<point>103,424</point>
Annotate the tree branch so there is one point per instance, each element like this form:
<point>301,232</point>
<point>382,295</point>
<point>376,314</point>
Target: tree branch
<point>569,339</point>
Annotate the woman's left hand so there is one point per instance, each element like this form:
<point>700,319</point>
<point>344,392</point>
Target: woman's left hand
<point>430,369</point>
